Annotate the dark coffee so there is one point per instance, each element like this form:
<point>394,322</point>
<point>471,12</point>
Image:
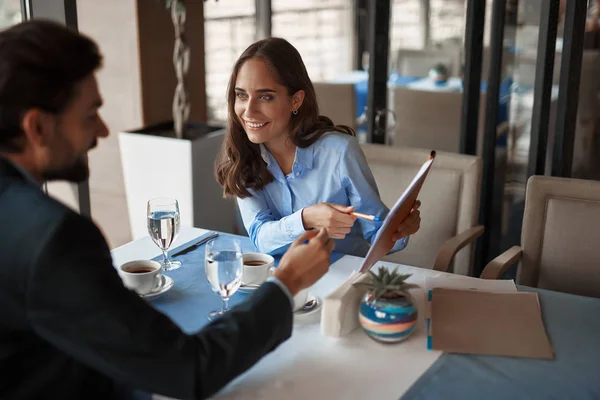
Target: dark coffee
<point>140,270</point>
<point>254,263</point>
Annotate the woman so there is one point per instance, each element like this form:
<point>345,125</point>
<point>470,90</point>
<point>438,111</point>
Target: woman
<point>291,169</point>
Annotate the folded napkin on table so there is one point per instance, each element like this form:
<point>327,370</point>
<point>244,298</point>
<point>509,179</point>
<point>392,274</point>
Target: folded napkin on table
<point>340,308</point>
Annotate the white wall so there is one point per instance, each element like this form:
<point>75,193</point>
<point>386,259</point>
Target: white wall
<point>113,25</point>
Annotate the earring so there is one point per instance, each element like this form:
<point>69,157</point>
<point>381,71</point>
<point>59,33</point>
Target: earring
<point>295,112</point>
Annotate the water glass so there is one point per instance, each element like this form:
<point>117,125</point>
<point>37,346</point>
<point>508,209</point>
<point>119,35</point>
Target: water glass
<point>223,270</point>
<point>163,227</point>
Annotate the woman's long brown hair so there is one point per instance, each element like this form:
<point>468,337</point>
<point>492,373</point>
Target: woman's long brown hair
<point>241,166</point>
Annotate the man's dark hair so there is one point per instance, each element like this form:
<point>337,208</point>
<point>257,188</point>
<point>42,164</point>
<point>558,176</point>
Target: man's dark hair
<point>41,63</point>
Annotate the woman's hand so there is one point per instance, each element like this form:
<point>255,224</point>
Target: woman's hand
<point>334,217</point>
<point>410,225</point>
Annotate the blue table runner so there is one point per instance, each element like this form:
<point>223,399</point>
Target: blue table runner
<point>191,298</point>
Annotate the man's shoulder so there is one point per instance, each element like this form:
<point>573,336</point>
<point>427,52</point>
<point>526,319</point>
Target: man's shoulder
<point>20,197</point>
<point>37,228</point>
<point>33,217</point>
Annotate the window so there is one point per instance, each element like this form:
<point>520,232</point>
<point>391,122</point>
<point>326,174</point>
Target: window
<point>404,25</point>
<point>229,28</point>
<point>321,30</point>
<point>10,13</point>
<point>446,22</point>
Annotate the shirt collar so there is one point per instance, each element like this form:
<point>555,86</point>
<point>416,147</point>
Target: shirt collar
<point>264,153</point>
<point>303,157</point>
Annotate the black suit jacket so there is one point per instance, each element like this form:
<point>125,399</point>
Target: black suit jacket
<point>70,329</point>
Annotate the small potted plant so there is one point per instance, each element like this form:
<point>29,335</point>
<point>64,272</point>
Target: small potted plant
<point>439,74</point>
<point>387,312</point>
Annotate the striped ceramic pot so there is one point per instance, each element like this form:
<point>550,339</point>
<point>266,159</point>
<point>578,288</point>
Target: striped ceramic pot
<point>388,319</point>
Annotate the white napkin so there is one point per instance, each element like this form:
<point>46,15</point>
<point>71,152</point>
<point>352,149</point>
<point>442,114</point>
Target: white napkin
<point>339,316</point>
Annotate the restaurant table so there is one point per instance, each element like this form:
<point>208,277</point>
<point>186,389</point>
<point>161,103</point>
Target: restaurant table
<point>573,325</point>
<point>311,366</point>
<point>360,80</point>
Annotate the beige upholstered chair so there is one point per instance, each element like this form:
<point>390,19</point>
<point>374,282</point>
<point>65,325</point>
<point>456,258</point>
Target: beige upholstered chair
<point>427,119</point>
<point>337,101</point>
<point>449,209</point>
<point>418,62</point>
<point>560,249</point>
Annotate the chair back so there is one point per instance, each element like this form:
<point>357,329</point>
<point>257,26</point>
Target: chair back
<point>412,62</point>
<point>559,238</point>
<point>427,119</point>
<point>337,101</point>
<point>449,199</point>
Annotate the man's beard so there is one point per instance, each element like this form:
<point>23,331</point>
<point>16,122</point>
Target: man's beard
<point>77,172</point>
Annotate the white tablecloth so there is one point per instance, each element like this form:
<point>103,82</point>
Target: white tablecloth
<point>453,84</point>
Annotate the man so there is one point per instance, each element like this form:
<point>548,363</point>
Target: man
<point>68,327</point>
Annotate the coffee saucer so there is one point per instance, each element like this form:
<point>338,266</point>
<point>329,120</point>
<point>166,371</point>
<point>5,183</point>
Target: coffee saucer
<point>249,288</point>
<point>312,305</point>
<point>169,283</point>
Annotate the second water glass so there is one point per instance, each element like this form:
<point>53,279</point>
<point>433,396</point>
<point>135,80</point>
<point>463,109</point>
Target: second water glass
<point>223,270</point>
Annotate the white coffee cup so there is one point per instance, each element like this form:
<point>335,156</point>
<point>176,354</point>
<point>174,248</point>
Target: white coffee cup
<point>143,276</point>
<point>300,299</point>
<point>257,268</point>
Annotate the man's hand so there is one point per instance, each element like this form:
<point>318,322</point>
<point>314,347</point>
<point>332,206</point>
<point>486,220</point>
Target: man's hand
<point>410,225</point>
<point>334,217</point>
<point>305,263</point>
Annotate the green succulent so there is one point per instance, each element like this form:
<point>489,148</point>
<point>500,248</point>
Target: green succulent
<point>387,284</point>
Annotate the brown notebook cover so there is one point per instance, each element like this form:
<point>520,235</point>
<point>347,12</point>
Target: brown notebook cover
<point>496,324</point>
<point>383,242</point>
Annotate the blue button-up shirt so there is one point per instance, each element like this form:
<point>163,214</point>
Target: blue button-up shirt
<point>334,170</point>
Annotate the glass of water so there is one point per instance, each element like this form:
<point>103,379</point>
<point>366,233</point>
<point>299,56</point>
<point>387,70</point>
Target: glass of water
<point>223,270</point>
<point>163,227</point>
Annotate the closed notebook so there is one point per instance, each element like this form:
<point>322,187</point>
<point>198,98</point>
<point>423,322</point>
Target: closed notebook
<point>462,283</point>
<point>496,324</point>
